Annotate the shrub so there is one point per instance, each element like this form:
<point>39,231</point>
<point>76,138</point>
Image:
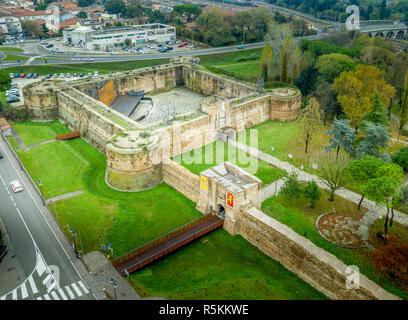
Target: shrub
<point>292,189</point>
<point>312,192</point>
<point>392,260</point>
<point>401,158</point>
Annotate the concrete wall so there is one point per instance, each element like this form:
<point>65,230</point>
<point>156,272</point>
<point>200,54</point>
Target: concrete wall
<point>181,179</point>
<point>319,268</point>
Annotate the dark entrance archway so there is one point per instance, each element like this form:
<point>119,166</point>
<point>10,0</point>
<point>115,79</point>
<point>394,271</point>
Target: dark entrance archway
<point>220,210</point>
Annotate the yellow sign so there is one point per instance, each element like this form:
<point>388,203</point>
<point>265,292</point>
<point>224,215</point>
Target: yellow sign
<point>204,182</point>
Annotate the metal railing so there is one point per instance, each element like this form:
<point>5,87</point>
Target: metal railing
<point>143,248</point>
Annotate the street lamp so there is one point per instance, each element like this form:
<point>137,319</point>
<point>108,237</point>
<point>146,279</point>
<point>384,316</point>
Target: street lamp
<point>42,196</point>
<point>115,286</point>
<point>18,158</point>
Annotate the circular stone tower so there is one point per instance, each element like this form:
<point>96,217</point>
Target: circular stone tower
<point>133,161</point>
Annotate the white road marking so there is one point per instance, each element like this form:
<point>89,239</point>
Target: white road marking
<point>32,284</point>
<point>47,297</point>
<point>83,287</point>
<point>41,267</point>
<point>14,294</point>
<point>41,213</point>
<point>3,297</point>
<point>47,278</point>
<point>71,295</point>
<point>39,298</point>
<point>24,293</point>
<point>55,295</point>
<point>61,292</point>
<point>77,291</point>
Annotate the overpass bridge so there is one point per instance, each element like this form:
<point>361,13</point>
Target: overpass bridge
<point>383,29</point>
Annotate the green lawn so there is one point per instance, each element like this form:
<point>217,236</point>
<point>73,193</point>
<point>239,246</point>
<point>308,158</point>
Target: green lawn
<point>32,133</point>
<point>127,220</point>
<point>250,69</point>
<point>102,68</point>
<point>298,215</point>
<point>196,161</point>
<point>12,49</point>
<point>229,267</point>
<point>231,57</point>
<point>14,57</point>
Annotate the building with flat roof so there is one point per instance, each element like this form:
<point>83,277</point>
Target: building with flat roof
<point>116,37</point>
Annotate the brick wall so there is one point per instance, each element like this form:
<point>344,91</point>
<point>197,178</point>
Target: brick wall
<point>181,179</point>
<point>319,268</point>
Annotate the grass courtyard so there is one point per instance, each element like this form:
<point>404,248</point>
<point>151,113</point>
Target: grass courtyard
<point>128,220</point>
<point>298,215</point>
<point>197,161</point>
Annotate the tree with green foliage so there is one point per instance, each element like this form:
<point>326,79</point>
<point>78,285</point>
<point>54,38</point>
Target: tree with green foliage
<point>362,170</point>
<point>332,171</point>
<point>286,54</point>
<point>115,6</point>
<point>291,189</point>
<point>5,80</point>
<point>309,121</point>
<point>331,65</point>
<point>385,189</point>
<point>342,136</point>
<point>306,81</point>
<point>266,63</point>
<point>327,98</point>
<point>84,3</point>
<point>312,193</point>
<point>82,14</point>
<point>403,111</point>
<point>401,158</point>
<point>376,137</point>
<point>378,113</point>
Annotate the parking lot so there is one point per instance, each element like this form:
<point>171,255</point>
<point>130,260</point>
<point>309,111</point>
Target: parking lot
<point>56,46</point>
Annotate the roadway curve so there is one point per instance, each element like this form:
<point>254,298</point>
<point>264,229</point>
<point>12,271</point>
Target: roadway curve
<point>68,59</point>
<point>35,244</point>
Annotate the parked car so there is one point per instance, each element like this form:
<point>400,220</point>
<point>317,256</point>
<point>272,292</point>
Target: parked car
<point>35,75</point>
<point>16,186</point>
<point>96,73</point>
<point>17,75</point>
<point>62,75</point>
<point>81,75</point>
<point>50,45</point>
<point>11,75</point>
<point>23,75</point>
<point>68,75</point>
<point>29,76</point>
<point>1,155</point>
<point>75,75</point>
<point>89,74</point>
<point>55,75</point>
<point>182,45</point>
<point>48,76</point>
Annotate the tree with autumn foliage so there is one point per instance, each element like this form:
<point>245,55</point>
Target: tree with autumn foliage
<point>356,90</point>
<point>267,63</point>
<point>392,260</point>
<point>309,121</point>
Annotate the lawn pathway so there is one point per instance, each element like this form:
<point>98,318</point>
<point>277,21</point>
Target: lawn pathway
<point>366,221</point>
<point>39,144</point>
<point>65,196</point>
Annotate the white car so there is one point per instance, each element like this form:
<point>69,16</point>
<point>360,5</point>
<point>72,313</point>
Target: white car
<point>96,73</point>
<point>16,186</point>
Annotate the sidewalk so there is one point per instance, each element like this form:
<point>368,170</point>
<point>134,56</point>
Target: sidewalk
<point>4,242</point>
<point>373,209</point>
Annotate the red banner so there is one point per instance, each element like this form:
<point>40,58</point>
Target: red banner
<point>230,200</point>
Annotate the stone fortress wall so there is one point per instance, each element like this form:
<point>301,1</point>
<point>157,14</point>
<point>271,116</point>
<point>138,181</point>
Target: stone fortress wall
<point>138,156</point>
<point>227,103</point>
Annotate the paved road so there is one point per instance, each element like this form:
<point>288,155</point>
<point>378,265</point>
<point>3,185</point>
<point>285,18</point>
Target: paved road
<point>36,246</point>
<point>68,59</point>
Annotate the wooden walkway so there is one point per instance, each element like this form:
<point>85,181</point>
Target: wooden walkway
<point>156,249</point>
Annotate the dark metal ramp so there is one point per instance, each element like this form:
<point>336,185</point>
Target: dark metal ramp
<point>156,249</point>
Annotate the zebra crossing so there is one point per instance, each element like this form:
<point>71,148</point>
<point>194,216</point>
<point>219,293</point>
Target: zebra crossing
<point>41,284</point>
